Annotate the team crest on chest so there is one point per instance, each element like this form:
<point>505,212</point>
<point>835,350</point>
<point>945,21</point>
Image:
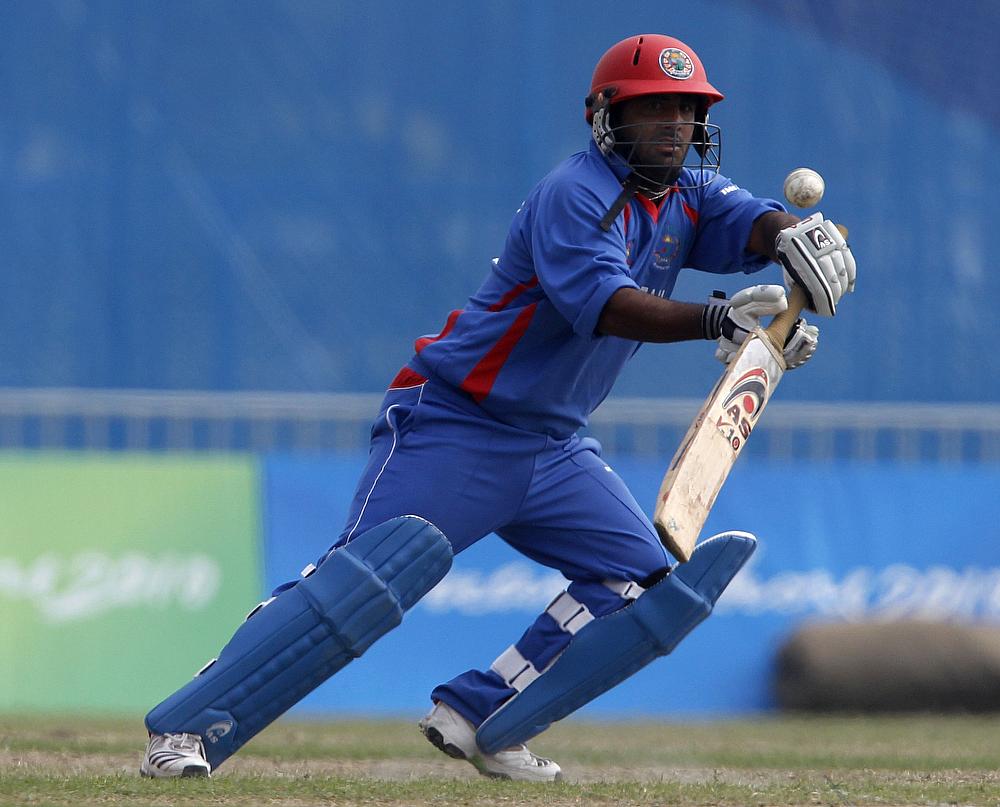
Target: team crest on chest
<point>676,63</point>
<point>666,251</point>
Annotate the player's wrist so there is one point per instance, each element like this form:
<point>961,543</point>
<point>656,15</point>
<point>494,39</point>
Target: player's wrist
<point>712,317</point>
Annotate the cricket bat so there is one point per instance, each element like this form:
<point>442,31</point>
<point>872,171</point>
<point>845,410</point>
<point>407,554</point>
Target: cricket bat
<point>720,430</point>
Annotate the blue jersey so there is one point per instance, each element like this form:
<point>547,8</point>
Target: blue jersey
<point>525,347</point>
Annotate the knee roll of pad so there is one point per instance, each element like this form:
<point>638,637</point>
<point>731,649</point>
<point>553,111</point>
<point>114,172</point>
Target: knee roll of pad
<point>611,648</point>
<point>306,634</point>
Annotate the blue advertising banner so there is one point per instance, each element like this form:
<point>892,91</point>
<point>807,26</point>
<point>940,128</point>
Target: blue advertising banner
<point>838,541</point>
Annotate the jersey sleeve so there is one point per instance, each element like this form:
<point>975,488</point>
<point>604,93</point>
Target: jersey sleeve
<point>579,266</point>
<point>726,214</point>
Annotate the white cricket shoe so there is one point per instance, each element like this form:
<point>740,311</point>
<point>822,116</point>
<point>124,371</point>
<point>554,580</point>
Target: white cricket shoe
<point>448,731</point>
<point>175,755</point>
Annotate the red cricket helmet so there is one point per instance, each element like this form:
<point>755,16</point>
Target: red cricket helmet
<point>649,64</point>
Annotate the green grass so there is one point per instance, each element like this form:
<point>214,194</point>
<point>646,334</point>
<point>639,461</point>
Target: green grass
<point>775,761</point>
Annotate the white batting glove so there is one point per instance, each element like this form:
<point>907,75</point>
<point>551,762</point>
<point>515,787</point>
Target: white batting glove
<point>742,314</point>
<point>801,344</point>
<point>817,258</point>
<point>739,316</point>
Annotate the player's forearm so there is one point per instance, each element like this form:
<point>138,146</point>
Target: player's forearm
<point>765,231</point>
<point>632,314</point>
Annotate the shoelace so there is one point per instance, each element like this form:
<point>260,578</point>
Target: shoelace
<point>181,742</point>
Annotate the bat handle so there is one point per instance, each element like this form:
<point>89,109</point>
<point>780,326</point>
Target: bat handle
<point>782,324</point>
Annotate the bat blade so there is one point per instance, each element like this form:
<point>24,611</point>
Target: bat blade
<point>714,441</point>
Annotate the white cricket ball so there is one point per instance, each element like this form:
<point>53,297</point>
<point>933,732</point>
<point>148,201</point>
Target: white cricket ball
<point>804,187</point>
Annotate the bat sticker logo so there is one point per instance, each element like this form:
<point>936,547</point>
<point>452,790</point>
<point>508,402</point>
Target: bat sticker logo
<point>742,405</point>
<point>752,388</point>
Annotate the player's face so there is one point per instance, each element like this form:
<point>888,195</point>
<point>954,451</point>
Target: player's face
<point>657,129</point>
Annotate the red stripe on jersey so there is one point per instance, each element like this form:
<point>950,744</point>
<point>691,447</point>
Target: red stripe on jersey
<point>628,216</point>
<point>407,378</point>
<point>481,378</point>
<point>691,213</point>
<point>513,294</point>
<point>651,208</point>
<point>424,341</point>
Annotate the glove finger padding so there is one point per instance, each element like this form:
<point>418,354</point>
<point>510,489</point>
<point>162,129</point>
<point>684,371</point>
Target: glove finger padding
<point>758,301</point>
<point>801,344</point>
<point>817,258</point>
<point>849,267</point>
<point>726,350</point>
<point>748,306</point>
<point>743,315</point>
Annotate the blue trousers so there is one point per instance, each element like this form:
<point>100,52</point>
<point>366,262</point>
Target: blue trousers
<point>436,454</point>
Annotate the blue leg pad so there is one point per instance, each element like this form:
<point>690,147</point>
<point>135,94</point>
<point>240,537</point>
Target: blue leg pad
<point>307,633</point>
<point>611,648</point>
